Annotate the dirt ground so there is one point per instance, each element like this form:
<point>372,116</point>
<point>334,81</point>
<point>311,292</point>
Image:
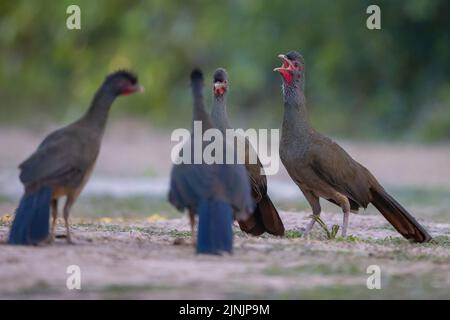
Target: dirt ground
<point>138,260</point>
<point>125,248</point>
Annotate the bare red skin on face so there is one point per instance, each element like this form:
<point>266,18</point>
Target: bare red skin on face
<point>128,90</point>
<point>287,76</point>
<point>220,88</point>
<point>220,91</point>
<point>285,73</point>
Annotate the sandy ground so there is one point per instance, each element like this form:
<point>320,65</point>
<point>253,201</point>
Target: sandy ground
<point>138,260</point>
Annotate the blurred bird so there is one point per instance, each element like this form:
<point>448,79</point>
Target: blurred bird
<point>216,192</point>
<point>321,168</point>
<point>63,163</point>
<point>265,218</point>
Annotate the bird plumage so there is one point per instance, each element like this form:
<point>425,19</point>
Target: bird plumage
<point>322,169</point>
<point>265,218</point>
<point>216,192</point>
<point>64,160</point>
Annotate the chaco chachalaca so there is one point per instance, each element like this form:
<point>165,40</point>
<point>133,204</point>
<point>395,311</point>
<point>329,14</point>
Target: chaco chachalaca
<point>322,169</point>
<point>63,163</point>
<point>216,192</point>
<point>265,218</point>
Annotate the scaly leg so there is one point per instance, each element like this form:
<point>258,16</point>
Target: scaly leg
<point>69,202</point>
<point>345,205</point>
<point>192,221</point>
<point>54,205</point>
<point>345,223</point>
<point>316,209</point>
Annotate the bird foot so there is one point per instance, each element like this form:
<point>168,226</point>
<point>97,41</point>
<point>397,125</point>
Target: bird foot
<point>50,239</point>
<point>309,227</point>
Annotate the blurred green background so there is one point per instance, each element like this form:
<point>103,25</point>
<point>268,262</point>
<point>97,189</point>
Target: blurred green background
<point>365,84</point>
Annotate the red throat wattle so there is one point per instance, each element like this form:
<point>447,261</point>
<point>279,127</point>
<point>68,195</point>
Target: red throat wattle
<point>287,68</point>
<point>127,90</point>
<point>284,71</point>
<point>220,88</point>
<point>287,76</point>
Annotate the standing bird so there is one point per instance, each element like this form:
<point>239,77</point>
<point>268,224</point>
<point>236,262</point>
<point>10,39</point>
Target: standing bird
<point>265,218</point>
<point>321,168</point>
<point>216,192</point>
<point>63,163</point>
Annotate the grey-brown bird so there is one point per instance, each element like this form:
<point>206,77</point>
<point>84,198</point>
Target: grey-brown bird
<point>216,192</point>
<point>63,163</point>
<point>322,169</point>
<point>265,218</point>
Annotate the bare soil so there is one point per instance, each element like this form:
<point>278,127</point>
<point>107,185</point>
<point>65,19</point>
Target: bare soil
<point>132,255</point>
<point>138,260</point>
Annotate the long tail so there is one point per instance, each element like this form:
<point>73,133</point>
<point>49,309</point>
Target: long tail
<point>270,217</point>
<point>402,221</point>
<point>31,223</point>
<point>265,218</point>
<point>215,231</point>
<point>253,225</point>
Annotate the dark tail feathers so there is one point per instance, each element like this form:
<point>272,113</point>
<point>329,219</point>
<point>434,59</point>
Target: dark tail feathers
<point>253,225</point>
<point>215,227</point>
<point>402,221</point>
<point>265,218</point>
<point>269,216</point>
<point>31,222</point>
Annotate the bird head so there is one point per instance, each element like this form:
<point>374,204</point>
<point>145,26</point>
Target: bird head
<point>220,82</point>
<point>292,67</point>
<point>123,83</point>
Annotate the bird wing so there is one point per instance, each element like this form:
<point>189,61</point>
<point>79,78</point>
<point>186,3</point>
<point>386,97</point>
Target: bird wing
<point>335,166</point>
<point>258,181</point>
<point>190,183</point>
<point>62,157</point>
<point>237,188</point>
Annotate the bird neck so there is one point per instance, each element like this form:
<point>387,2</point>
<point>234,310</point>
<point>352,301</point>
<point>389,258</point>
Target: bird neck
<point>97,114</point>
<point>199,112</point>
<point>295,119</point>
<point>219,113</point>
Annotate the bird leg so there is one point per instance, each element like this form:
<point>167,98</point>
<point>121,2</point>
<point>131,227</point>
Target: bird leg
<point>68,205</point>
<point>316,209</point>
<point>345,205</point>
<point>192,221</point>
<point>345,223</point>
<point>309,226</point>
<point>54,217</point>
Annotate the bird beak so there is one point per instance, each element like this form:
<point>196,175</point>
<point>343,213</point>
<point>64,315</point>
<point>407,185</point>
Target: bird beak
<point>287,65</point>
<point>132,89</point>
<point>220,88</point>
<point>139,88</point>
<point>219,85</point>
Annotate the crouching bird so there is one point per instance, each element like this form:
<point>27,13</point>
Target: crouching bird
<point>322,169</point>
<point>63,163</point>
<point>217,193</point>
<point>265,218</point>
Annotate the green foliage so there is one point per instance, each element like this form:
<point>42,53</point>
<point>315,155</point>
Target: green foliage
<point>292,234</point>
<point>331,234</point>
<point>388,83</point>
